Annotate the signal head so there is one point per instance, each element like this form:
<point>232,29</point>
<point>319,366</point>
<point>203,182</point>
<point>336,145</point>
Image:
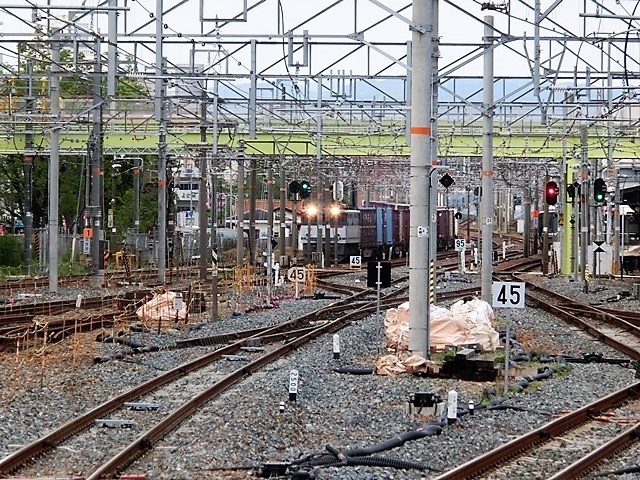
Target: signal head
<point>599,190</point>
<point>551,193</point>
<point>305,189</point>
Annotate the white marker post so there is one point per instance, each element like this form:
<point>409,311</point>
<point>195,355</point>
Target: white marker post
<point>460,246</point>
<point>293,386</point>
<point>297,275</point>
<point>452,407</point>
<point>336,346</point>
<point>508,295</point>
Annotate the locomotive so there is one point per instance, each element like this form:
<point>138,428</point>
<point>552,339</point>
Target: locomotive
<point>379,231</point>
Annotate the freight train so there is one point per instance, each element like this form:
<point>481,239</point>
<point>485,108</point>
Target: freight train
<point>379,231</point>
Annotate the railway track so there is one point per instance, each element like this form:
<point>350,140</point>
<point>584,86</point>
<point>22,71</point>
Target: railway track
<point>619,329</point>
<point>587,436</point>
<point>178,392</point>
<point>569,446</point>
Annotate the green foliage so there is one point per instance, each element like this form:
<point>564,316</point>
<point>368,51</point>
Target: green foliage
<point>66,268</point>
<point>10,251</point>
<point>11,183</point>
<point>131,88</point>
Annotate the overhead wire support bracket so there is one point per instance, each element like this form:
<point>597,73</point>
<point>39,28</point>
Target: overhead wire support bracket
<point>412,25</point>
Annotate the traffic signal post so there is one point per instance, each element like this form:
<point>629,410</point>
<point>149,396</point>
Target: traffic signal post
<point>551,198</point>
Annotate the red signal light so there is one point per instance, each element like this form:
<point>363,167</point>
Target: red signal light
<point>551,193</point>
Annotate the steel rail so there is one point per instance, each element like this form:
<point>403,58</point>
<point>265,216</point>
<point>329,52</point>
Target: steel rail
<point>566,314</point>
<point>586,463</point>
<point>146,441</point>
<point>545,433</point>
<point>52,439</point>
<point>273,333</point>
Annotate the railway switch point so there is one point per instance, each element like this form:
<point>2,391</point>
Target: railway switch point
<point>106,422</point>
<point>420,400</point>
<point>143,406</point>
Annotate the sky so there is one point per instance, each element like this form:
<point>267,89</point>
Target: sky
<point>332,21</point>
<point>330,26</point>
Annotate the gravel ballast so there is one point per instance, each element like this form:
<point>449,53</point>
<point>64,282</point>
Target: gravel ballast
<point>246,426</point>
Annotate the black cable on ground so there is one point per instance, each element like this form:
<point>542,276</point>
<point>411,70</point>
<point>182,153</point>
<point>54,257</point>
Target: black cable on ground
<point>355,370</point>
<point>622,471</point>
<point>427,430</point>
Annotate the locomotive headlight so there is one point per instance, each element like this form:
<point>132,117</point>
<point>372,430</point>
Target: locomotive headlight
<point>312,210</point>
<point>334,211</point>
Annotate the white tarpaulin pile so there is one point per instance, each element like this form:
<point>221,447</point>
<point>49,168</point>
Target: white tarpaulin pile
<point>465,323</point>
<point>162,308</point>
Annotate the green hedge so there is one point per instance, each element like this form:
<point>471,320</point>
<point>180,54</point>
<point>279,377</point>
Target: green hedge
<point>10,250</point>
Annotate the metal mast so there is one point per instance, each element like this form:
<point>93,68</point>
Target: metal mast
<point>421,169</point>
<point>486,201</point>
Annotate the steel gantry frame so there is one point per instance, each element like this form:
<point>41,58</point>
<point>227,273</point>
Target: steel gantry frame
<point>333,78</point>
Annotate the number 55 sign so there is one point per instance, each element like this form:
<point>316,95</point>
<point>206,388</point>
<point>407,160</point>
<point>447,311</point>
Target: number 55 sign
<point>508,294</point>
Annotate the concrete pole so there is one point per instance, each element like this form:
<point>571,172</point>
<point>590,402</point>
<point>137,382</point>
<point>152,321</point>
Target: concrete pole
<point>54,165</point>
<point>214,204</point>
<point>615,238</point>
<point>240,212</point>
<point>136,206</point>
<point>97,175</point>
<point>162,146</point>
<point>432,72</point>
<point>253,91</point>
<point>526,208</point>
<point>270,233</point>
<point>112,53</point>
<point>566,243</point>
<point>320,201</point>
<point>612,204</point>
<point>545,232</point>
<point>29,153</point>
<point>283,210</point>
<point>202,188</point>
<point>486,203</point>
<point>421,168</point>
<point>584,207</point>
<point>253,187</point>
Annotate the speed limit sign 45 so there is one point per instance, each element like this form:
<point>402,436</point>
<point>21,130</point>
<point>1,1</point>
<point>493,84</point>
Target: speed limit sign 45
<point>296,274</point>
<point>508,294</point>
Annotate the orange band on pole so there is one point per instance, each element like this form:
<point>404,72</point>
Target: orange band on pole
<point>488,173</point>
<point>420,130</point>
<point>162,182</point>
<point>96,169</point>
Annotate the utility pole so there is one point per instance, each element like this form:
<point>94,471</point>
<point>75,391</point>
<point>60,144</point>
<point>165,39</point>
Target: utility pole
<point>253,181</point>
<point>54,163</point>
<point>283,210</point>
<point>526,204</point>
<point>214,205</point>
<point>162,146</point>
<point>545,232</point>
<point>584,207</point>
<point>320,200</point>
<point>137,167</point>
<point>29,154</point>
<point>95,211</point>
<point>202,187</point>
<point>420,179</point>
<point>240,211</point>
<point>486,203</point>
<point>270,233</point>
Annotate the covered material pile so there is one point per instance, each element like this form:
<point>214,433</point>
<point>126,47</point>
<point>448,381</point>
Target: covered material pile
<point>164,309</point>
<point>465,323</point>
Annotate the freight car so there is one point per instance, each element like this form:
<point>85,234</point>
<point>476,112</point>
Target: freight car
<point>378,231</point>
